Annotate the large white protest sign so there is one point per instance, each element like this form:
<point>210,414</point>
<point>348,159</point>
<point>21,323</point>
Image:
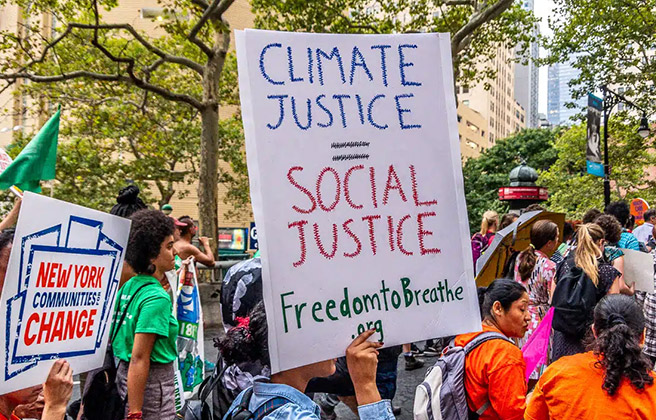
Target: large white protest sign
<point>354,164</point>
<point>59,290</point>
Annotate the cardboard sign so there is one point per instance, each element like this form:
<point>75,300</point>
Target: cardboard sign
<point>59,290</point>
<point>638,208</point>
<point>639,269</point>
<point>357,191</point>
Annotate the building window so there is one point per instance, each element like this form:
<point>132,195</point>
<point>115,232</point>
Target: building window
<point>491,106</point>
<point>465,102</point>
<point>465,89</point>
<point>459,118</point>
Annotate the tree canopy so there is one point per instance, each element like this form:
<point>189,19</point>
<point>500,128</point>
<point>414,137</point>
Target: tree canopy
<point>573,191</point>
<point>477,28</point>
<point>489,172</point>
<point>67,43</point>
<point>611,42</point>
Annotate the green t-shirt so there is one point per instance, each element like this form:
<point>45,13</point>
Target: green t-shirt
<point>150,312</point>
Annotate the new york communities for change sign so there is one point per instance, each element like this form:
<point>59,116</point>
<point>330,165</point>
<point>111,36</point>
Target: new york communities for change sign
<point>59,290</point>
<point>354,164</point>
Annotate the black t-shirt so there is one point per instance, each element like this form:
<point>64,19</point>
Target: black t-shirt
<point>607,274</point>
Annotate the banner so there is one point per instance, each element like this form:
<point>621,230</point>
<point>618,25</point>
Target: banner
<point>357,191</point>
<point>59,290</point>
<point>190,342</point>
<point>593,149</point>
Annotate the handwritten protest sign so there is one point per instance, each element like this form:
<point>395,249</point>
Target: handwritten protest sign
<point>354,164</point>
<point>59,289</point>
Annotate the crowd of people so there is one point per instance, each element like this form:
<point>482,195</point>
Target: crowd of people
<point>608,349</point>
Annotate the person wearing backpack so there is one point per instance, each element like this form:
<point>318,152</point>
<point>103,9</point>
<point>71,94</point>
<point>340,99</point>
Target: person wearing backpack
<point>282,396</point>
<point>612,381</point>
<point>145,343</point>
<point>582,279</point>
<point>483,238</point>
<point>489,365</point>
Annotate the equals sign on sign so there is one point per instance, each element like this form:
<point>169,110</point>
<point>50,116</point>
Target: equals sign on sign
<point>338,147</point>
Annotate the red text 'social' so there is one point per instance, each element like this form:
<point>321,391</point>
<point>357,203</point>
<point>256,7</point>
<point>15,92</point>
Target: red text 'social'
<point>383,184</point>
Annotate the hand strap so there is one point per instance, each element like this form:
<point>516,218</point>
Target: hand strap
<point>115,328</point>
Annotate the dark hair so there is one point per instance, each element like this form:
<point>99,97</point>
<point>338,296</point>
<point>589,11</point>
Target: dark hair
<point>505,291</point>
<point>149,229</point>
<point>542,232</point>
<point>507,220</point>
<point>7,237</point>
<point>187,220</point>
<point>620,210</point>
<point>612,228</point>
<point>247,343</point>
<point>649,214</point>
<point>568,230</point>
<point>128,202</point>
<point>590,216</point>
<point>619,324</point>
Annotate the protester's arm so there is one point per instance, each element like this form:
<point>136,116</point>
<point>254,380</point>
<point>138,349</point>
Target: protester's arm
<point>57,390</point>
<point>138,370</point>
<point>362,362</point>
<point>207,255</point>
<point>205,258</point>
<point>32,410</point>
<point>11,218</point>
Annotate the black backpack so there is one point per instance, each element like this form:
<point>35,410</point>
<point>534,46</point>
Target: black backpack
<point>573,301</point>
<point>214,399</point>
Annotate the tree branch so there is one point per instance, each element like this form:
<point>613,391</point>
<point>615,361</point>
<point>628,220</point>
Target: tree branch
<point>209,12</point>
<point>460,40</point>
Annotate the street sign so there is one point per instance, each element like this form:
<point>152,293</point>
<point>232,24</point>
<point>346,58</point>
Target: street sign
<point>252,242</point>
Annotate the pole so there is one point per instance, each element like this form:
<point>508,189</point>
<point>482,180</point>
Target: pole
<point>606,160</point>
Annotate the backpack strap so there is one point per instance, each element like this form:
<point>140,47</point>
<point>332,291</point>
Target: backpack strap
<point>117,327</point>
<point>242,412</point>
<point>477,341</point>
<point>482,338</point>
<point>269,407</point>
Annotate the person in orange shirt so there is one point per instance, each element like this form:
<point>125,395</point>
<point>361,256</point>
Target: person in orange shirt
<point>613,381</point>
<point>495,371</point>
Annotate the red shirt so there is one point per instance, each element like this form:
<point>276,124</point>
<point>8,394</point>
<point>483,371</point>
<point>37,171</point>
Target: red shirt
<point>495,371</point>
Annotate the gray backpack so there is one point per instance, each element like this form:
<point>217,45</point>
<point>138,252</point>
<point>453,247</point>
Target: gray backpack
<point>442,395</point>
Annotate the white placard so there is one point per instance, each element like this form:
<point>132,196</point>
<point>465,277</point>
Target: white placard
<point>59,290</point>
<point>639,269</point>
<point>357,191</point>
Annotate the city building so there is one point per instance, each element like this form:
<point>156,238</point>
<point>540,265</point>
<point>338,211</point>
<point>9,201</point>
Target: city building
<point>472,131</point>
<point>543,122</point>
<point>527,78</point>
<point>559,98</point>
<point>497,104</point>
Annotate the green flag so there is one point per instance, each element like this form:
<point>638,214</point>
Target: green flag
<point>37,160</point>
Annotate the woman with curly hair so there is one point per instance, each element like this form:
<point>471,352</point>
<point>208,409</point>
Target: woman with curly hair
<point>617,377</point>
<point>145,342</point>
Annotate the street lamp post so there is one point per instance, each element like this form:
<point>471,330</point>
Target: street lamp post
<point>610,100</point>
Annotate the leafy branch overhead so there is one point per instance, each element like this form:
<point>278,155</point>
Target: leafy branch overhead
<point>182,65</point>
<point>611,42</point>
<point>477,28</point>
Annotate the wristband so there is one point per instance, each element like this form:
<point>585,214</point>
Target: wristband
<point>137,415</point>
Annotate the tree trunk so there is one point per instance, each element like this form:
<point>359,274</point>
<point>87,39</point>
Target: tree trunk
<point>208,210</point>
<point>208,191</point>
